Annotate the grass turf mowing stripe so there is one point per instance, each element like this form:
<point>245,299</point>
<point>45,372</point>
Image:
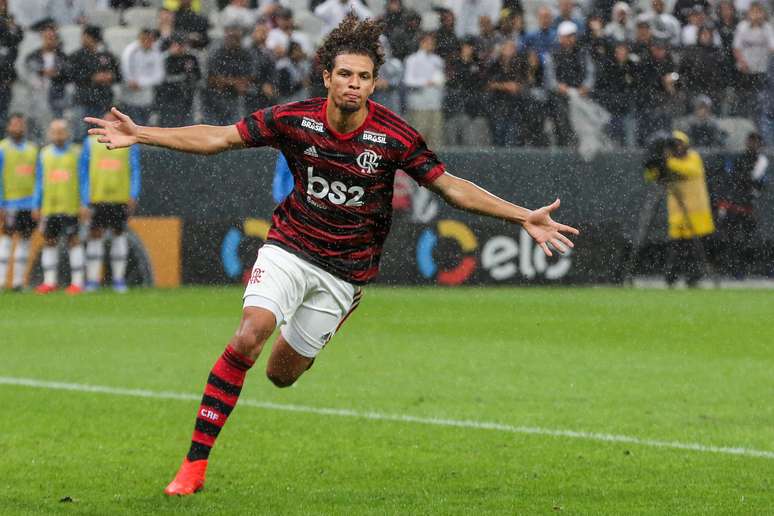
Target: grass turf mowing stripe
<point>403,418</point>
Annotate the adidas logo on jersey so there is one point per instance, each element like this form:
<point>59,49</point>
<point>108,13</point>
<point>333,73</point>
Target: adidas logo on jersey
<point>311,151</point>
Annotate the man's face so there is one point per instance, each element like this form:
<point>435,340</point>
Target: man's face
<point>545,18</point>
<point>643,32</point>
<point>657,5</point>
<point>755,14</point>
<point>427,44</point>
<point>566,7</point>
<point>17,128</point>
<point>88,42</point>
<point>351,81</point>
<point>658,52</point>
<point>753,144</point>
<point>58,133</point>
<point>259,34</point>
<point>50,38</point>
<point>567,41</point>
<point>232,38</point>
<point>146,40</point>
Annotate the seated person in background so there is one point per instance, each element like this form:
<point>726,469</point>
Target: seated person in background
<point>702,127</point>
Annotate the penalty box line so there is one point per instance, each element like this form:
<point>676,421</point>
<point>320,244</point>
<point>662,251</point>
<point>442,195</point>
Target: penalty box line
<point>401,418</point>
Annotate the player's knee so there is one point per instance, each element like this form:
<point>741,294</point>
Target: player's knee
<point>252,333</point>
<point>280,379</point>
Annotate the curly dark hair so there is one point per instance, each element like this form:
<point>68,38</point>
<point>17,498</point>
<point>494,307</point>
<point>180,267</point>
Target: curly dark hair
<point>353,36</point>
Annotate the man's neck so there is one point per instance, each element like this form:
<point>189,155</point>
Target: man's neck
<point>343,122</point>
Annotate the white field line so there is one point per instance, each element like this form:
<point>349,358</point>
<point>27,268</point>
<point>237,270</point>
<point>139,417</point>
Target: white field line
<point>402,418</point>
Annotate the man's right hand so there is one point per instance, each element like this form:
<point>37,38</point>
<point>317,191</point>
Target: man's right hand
<point>116,134</point>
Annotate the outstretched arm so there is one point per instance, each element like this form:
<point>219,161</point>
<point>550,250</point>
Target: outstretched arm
<point>196,139</point>
<point>468,196</point>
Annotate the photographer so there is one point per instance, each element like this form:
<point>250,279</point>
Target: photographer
<point>680,170</point>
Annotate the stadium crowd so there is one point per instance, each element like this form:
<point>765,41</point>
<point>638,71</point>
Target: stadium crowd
<point>467,72</point>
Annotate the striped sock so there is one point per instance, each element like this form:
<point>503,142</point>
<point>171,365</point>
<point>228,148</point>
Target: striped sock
<point>220,396</point>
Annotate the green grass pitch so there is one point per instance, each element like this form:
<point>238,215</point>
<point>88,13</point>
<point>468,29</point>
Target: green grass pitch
<point>670,366</point>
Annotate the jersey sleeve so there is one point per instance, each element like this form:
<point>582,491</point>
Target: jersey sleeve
<point>422,164</point>
<point>260,128</point>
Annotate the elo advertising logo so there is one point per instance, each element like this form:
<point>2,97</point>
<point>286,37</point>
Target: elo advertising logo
<point>502,257</point>
<point>427,243</point>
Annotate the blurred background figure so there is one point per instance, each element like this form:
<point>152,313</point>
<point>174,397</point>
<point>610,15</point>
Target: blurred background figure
<point>655,91</point>
<point>45,71</point>
<point>702,127</point>
<point>175,94</point>
<point>745,178</point>
<point>10,37</point>
<point>60,207</point>
<point>142,69</point>
<point>230,71</point>
<point>111,186</point>
<point>753,44</point>
<point>424,77</point>
<point>190,23</point>
<point>293,75</point>
<point>463,105</point>
<point>18,158</point>
<point>614,88</point>
<point>94,71</point>
<point>508,82</point>
<point>263,89</point>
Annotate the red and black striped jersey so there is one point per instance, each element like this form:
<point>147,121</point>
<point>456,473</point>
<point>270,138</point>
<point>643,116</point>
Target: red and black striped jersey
<point>339,212</point>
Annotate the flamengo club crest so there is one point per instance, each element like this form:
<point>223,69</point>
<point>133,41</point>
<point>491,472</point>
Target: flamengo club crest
<point>368,161</point>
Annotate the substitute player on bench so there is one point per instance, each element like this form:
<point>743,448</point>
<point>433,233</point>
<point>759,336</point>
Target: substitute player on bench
<point>326,238</point>
<point>18,157</point>
<point>111,190</point>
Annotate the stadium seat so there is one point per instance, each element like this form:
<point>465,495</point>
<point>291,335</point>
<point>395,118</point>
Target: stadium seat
<point>141,17</point>
<point>104,17</point>
<point>430,21</point>
<point>117,38</point>
<point>70,35</point>
<point>737,129</point>
<point>310,24</point>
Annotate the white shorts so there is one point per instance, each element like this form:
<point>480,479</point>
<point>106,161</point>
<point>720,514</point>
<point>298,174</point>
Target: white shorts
<point>309,302</point>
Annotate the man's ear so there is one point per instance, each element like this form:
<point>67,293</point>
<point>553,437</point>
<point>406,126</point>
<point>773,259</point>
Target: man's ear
<point>327,78</point>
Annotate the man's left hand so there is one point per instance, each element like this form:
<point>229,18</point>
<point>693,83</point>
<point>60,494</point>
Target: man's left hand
<point>544,230</point>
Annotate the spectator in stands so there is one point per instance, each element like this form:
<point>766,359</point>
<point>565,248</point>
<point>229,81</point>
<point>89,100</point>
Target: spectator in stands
<point>142,69</point>
<point>194,26</point>
<point>394,16</point>
<point>46,74</point>
<point>280,37</point>
<point>567,68</point>
<point>95,71</point>
<point>165,28</point>
<point>594,40</point>
<point>663,24</point>
<point>702,127</point>
<point>643,38</point>
<point>753,44</point>
<point>655,91</point>
<point>463,106</point>
<point>487,39</point>
<point>697,19</point>
<point>620,28</point>
<point>699,68</point>
<point>684,9</point>
<point>293,75</point>
<point>725,25</point>
<point>511,27</point>
<point>237,12</point>
<point>424,78</point>
<point>447,44</point>
<point>508,83</point>
<point>405,40</point>
<point>263,90</point>
<point>614,87</point>
<point>468,12</point>
<point>175,95</point>
<point>331,12</point>
<point>543,39</point>
<point>230,70</point>
<point>10,37</point>
<point>567,12</point>
<point>387,89</point>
